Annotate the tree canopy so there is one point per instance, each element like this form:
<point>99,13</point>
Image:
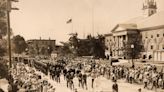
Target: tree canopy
<point>91,46</point>
<point>19,44</point>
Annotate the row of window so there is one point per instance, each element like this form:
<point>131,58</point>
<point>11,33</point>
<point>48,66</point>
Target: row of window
<point>158,35</point>
<point>152,47</point>
<point>45,42</point>
<point>124,38</point>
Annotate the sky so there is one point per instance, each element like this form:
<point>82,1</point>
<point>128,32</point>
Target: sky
<point>47,18</point>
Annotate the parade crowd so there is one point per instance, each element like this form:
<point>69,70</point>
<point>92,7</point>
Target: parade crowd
<point>30,78</point>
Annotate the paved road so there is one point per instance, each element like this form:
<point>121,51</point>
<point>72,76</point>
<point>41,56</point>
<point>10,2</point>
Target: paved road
<point>101,85</point>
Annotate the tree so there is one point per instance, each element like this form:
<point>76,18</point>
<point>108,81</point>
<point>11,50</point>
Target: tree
<point>2,51</point>
<point>49,50</point>
<point>43,51</point>
<point>100,46</point>
<point>92,46</point>
<point>3,46</point>
<point>73,41</point>
<point>3,69</point>
<point>3,18</point>
<point>19,44</point>
<point>65,50</point>
<point>3,28</point>
<point>135,52</point>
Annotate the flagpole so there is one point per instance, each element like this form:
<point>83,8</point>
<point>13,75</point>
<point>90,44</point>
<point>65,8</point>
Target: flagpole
<point>72,25</point>
<point>83,32</point>
<point>93,17</point>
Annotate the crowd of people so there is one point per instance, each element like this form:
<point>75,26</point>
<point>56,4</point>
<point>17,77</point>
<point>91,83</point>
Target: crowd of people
<point>148,75</point>
<point>69,73</point>
<point>29,79</point>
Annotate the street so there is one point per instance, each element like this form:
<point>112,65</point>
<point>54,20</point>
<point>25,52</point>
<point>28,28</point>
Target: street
<point>101,85</point>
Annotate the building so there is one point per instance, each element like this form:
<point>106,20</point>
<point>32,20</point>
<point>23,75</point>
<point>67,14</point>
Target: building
<point>147,29</point>
<point>41,46</point>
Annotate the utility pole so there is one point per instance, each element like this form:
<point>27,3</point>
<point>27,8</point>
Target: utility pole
<point>9,8</point>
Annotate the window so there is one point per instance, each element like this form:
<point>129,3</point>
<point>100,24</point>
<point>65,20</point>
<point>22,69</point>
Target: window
<point>146,35</point>
<point>157,35</point>
<point>163,34</point>
<point>106,40</point>
<point>124,37</point>
<point>151,47</point>
<point>107,48</point>
<point>151,36</point>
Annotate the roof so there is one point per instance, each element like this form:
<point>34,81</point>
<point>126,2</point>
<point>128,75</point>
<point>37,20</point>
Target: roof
<point>152,21</point>
<point>41,40</point>
<point>109,34</point>
<point>142,22</point>
<point>135,20</point>
<point>121,27</point>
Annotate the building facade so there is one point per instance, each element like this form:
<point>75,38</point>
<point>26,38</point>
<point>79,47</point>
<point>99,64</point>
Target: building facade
<point>146,32</point>
<point>41,46</point>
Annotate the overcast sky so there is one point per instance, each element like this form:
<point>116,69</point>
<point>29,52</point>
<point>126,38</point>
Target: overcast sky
<point>47,18</point>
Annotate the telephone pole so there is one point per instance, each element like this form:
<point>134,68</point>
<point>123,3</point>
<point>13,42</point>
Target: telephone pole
<point>9,8</point>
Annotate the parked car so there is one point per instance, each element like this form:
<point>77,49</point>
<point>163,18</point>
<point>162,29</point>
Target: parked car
<point>114,60</point>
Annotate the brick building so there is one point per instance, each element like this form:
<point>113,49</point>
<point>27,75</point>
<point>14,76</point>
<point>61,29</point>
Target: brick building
<point>41,46</point>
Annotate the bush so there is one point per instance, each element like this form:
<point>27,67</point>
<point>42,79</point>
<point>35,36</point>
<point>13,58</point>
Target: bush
<point>3,69</point>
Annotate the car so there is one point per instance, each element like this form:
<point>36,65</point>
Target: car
<point>114,60</point>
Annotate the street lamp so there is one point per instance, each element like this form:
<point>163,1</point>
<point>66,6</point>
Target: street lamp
<point>26,50</point>
<point>132,47</point>
<point>48,50</point>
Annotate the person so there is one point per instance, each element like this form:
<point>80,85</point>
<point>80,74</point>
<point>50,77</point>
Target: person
<point>154,81</point>
<point>15,87</point>
<point>146,80</point>
<point>1,90</point>
<point>9,87</point>
<point>115,86</point>
<point>93,75</point>
<point>64,73</point>
<point>58,71</point>
<point>71,80</point>
<point>68,78</point>
<point>84,81</point>
<point>76,90</point>
<point>139,90</point>
<point>80,78</point>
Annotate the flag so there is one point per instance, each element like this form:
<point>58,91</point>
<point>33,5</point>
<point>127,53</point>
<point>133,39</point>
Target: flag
<point>69,21</point>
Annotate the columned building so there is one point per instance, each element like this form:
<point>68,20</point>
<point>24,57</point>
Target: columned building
<point>147,29</point>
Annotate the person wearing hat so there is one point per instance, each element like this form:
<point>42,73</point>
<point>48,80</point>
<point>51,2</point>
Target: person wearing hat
<point>115,86</point>
<point>139,90</point>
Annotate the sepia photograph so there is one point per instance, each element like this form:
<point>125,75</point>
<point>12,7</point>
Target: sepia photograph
<point>81,45</point>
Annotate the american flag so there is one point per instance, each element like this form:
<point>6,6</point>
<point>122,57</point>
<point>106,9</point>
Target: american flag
<point>69,21</point>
